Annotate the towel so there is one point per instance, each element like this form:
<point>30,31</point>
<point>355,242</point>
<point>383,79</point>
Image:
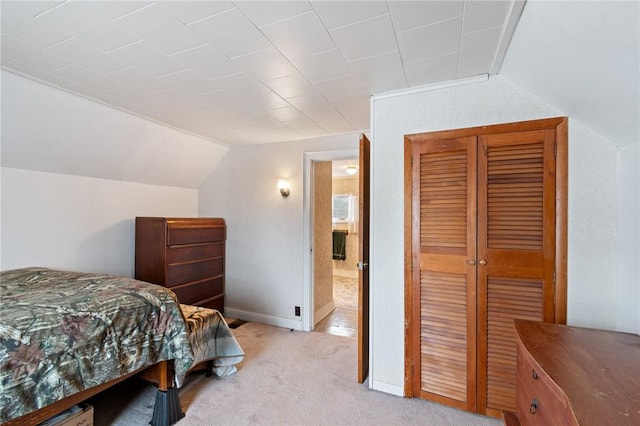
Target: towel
<point>340,245</point>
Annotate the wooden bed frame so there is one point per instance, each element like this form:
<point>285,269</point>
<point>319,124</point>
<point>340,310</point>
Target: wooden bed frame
<point>166,411</point>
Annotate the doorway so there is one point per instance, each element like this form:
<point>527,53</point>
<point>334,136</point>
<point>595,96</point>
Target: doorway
<point>340,315</point>
<point>313,188</point>
<point>311,232</point>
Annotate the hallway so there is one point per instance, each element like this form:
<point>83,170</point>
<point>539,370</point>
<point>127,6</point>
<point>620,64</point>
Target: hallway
<point>343,321</point>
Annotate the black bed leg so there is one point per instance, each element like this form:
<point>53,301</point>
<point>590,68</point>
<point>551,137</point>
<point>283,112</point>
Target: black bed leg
<point>167,410</point>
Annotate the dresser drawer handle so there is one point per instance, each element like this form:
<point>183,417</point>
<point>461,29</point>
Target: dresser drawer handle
<point>533,407</point>
<point>534,375</point>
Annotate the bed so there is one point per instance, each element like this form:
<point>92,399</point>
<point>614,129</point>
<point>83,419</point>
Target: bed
<point>64,336</point>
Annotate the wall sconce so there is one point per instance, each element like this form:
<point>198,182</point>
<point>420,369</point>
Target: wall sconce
<point>352,170</point>
<point>283,186</point>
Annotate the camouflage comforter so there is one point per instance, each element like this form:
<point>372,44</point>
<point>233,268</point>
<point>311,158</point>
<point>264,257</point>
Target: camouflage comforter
<point>65,332</point>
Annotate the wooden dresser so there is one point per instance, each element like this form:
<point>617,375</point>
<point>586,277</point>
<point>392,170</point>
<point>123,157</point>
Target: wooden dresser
<point>185,254</point>
<point>576,376</point>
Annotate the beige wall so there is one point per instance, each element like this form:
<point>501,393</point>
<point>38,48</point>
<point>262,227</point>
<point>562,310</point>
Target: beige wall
<point>322,240</point>
<point>347,186</point>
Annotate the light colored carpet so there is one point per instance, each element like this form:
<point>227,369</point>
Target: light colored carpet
<point>287,378</point>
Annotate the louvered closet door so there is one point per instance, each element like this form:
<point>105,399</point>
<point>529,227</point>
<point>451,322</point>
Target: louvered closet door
<point>444,180</point>
<point>516,251</point>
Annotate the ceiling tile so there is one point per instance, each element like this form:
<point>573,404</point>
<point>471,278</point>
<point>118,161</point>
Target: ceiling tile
<point>430,41</point>
<point>307,104</point>
<point>207,61</point>
<point>191,11</point>
<point>381,67</point>
<point>268,12</point>
<point>386,85</point>
<point>306,127</point>
<point>87,78</point>
<point>442,68</point>
<point>240,84</point>
<point>265,123</point>
<point>265,64</point>
<point>265,101</point>
<point>407,15</point>
<point>36,73</point>
<point>148,58</point>
<point>322,66</point>
<point>174,99</point>
<point>330,120</point>
<point>480,45</point>
<point>23,26</point>
<point>18,50</point>
<point>34,8</point>
<point>336,14</point>
<point>155,25</point>
<point>131,96</point>
<point>232,33</point>
<point>285,114</point>
<point>190,82</point>
<point>301,35</point>
<point>484,14</point>
<point>474,68</point>
<point>142,81</point>
<point>81,20</point>
<point>355,111</point>
<point>341,87</point>
<point>290,86</point>
<point>115,9</point>
<point>366,38</point>
<point>76,51</point>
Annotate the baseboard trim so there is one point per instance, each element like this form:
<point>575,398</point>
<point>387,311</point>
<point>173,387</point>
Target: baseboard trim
<point>264,319</point>
<point>323,312</point>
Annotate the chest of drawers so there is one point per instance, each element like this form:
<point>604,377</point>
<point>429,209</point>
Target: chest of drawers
<point>186,255</point>
<point>576,376</point>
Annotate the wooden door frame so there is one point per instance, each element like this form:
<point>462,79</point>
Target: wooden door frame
<point>560,124</point>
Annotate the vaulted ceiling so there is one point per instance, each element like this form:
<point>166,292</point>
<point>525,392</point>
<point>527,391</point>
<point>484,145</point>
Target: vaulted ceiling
<point>253,71</point>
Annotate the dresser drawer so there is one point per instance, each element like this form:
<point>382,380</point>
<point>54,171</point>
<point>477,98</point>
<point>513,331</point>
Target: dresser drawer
<point>184,253</point>
<point>539,401</point>
<point>216,303</point>
<point>180,273</point>
<point>181,235</point>
<point>191,293</point>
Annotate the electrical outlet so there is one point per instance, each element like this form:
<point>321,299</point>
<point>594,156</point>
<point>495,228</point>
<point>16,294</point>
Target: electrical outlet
<point>297,311</point>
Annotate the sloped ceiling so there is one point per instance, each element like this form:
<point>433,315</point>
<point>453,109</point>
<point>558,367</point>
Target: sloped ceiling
<point>253,71</point>
<point>584,58</point>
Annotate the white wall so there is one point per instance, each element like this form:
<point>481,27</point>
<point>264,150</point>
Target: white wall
<point>79,223</point>
<point>583,57</point>
<point>628,314</point>
<point>265,232</point>
<point>47,129</point>
<point>593,207</point>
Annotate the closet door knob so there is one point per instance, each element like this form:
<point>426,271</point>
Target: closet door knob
<point>471,262</point>
<point>483,262</point>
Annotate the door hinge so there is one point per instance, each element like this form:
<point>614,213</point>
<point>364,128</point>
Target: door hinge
<point>555,149</point>
<point>554,276</point>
